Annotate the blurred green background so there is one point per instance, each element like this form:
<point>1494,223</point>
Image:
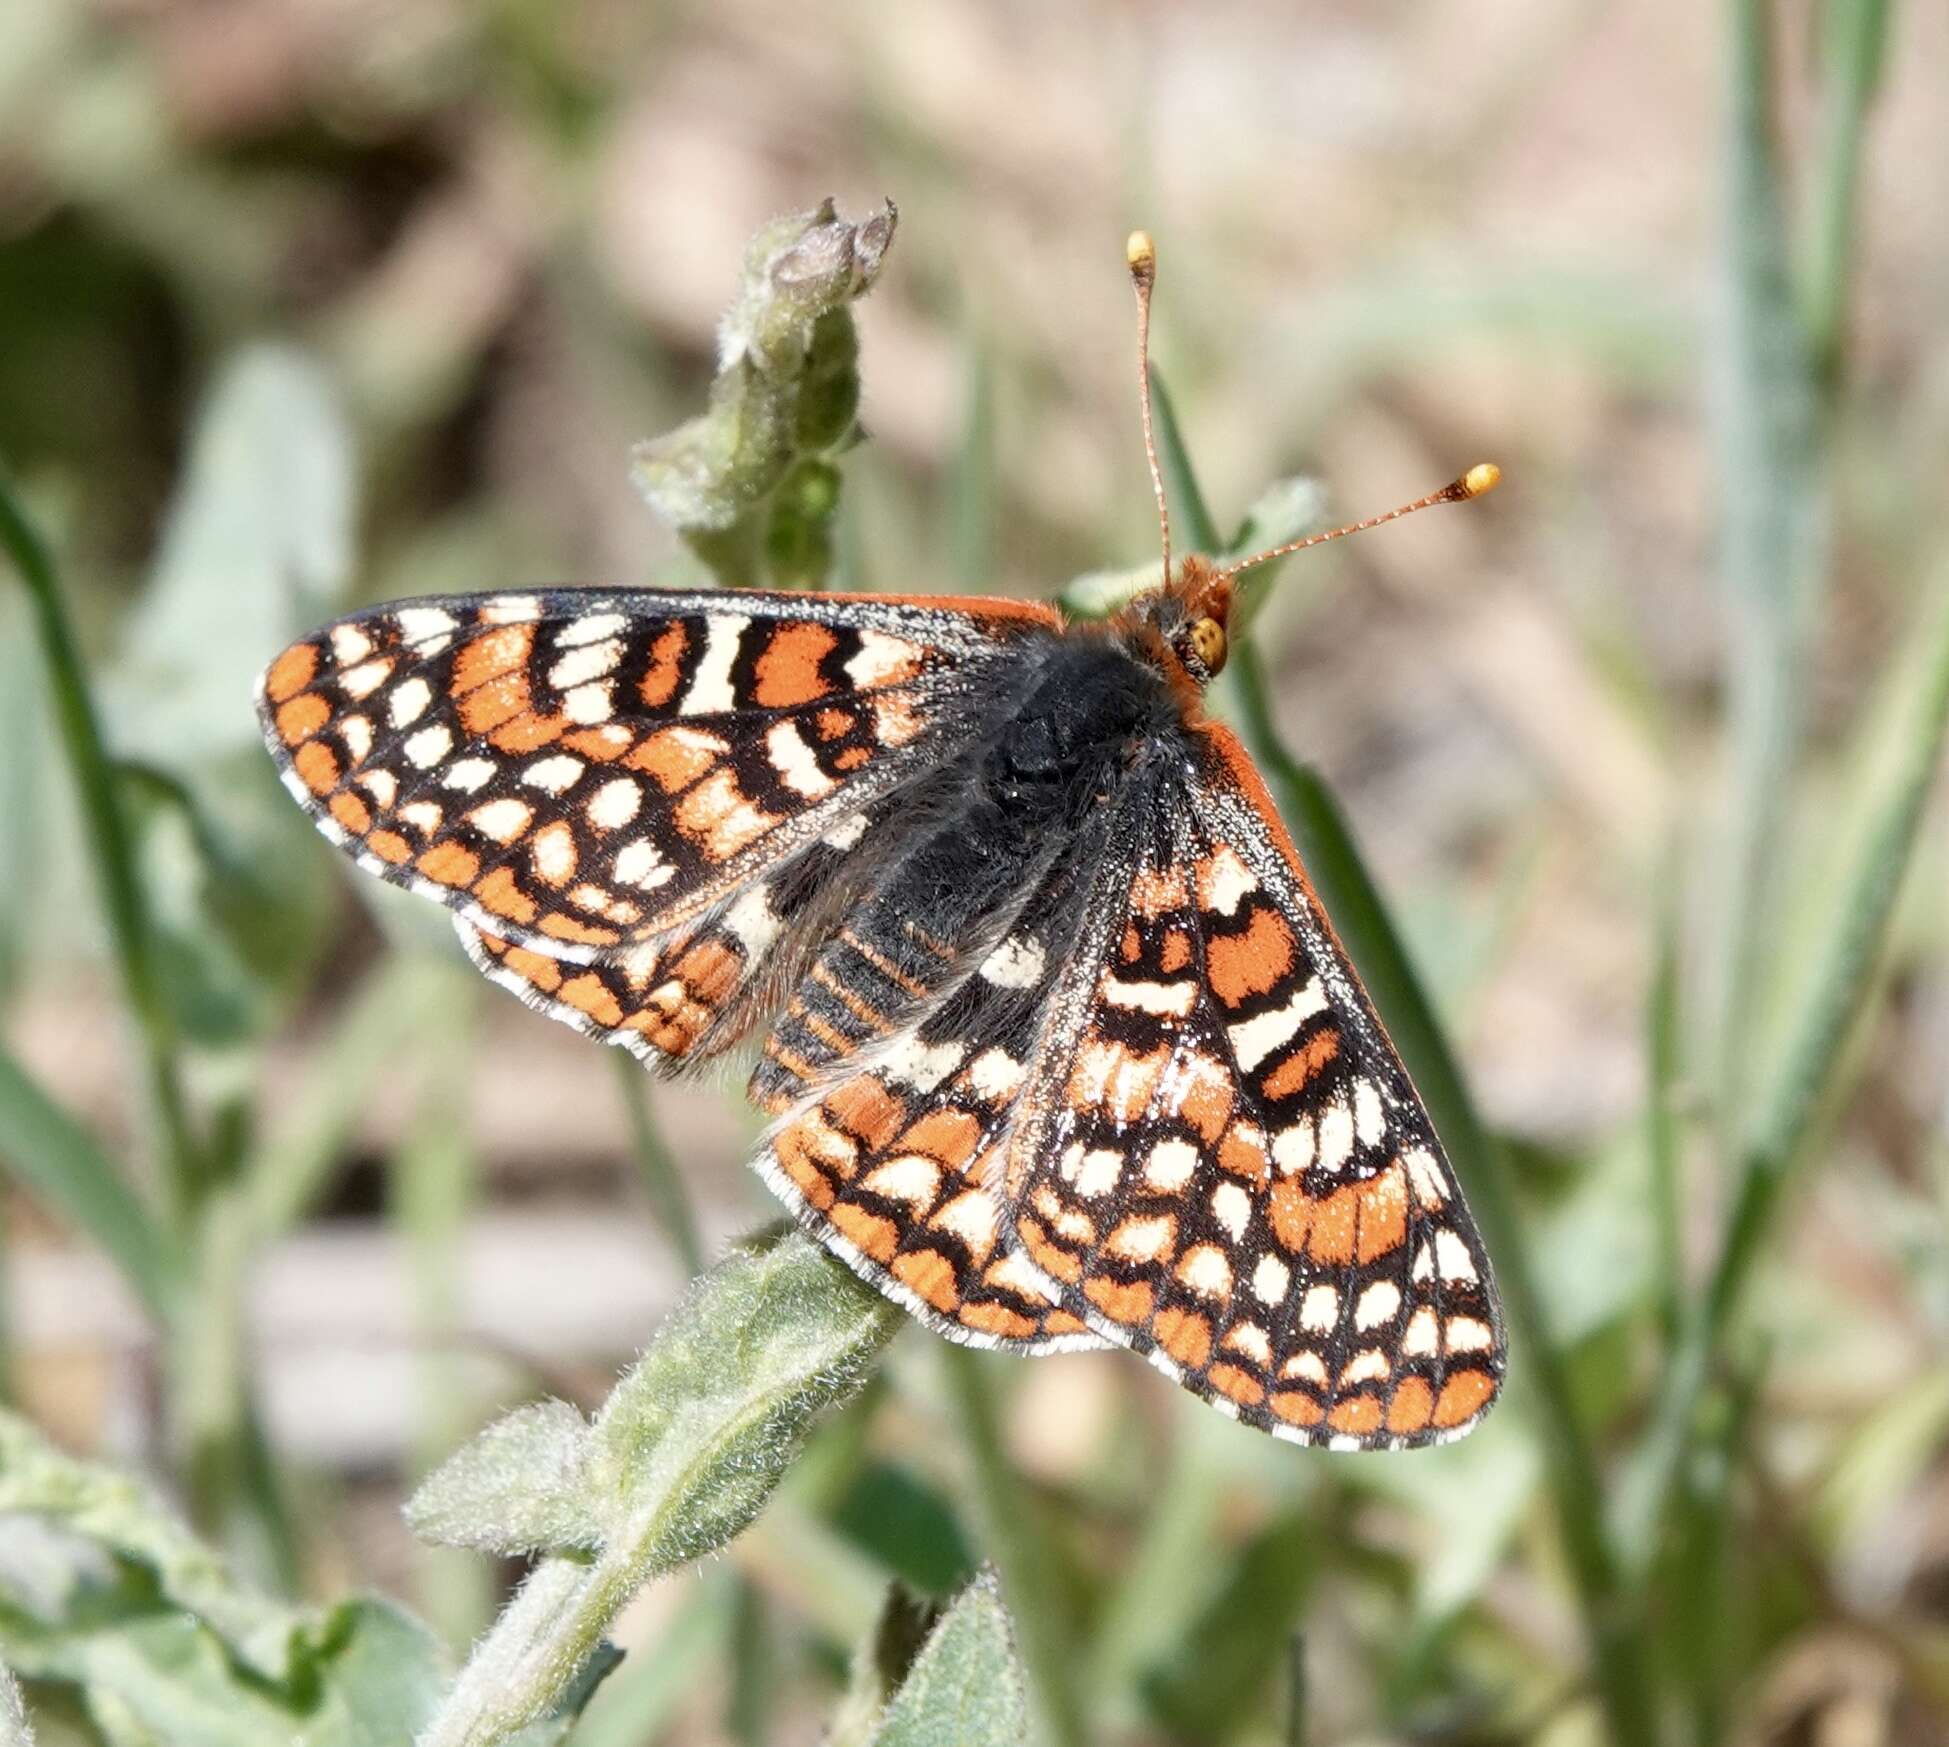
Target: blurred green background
<point>305,303</point>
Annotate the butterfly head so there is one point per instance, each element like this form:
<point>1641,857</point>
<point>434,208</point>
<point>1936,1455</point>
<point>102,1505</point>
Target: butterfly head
<point>1186,620</point>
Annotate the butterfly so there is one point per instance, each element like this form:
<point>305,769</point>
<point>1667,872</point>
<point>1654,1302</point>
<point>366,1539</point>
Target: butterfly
<point>1059,1049</point>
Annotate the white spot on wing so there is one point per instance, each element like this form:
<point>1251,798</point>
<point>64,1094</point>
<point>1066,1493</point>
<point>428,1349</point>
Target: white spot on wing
<point>1292,1148</point>
<point>590,628</point>
<point>1452,1259</point>
<point>1223,880</point>
<point>924,1065</point>
<point>431,744</point>
<point>1205,1270</point>
<point>1170,999</point>
<point>1170,1165</point>
<point>418,624</point>
<point>589,704</point>
<point>1377,1305</point>
<point>1270,1280</point>
<point>616,803</point>
<point>1336,1136</point>
<point>1319,1310</point>
<point>709,692</point>
<point>553,775</point>
<point>881,658</point>
<point>751,921</point>
<point>591,661</point>
<point>503,820</point>
<point>350,645</point>
<point>1256,1038</point>
<point>1232,1208</point>
<point>909,1178</point>
<point>639,864</point>
<point>797,768</point>
<point>469,775</point>
<point>408,701</point>
<point>995,1074</point>
<point>362,681</point>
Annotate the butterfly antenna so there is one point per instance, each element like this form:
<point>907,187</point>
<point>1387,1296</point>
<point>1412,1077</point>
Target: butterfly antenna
<point>1140,253</point>
<point>1480,480</point>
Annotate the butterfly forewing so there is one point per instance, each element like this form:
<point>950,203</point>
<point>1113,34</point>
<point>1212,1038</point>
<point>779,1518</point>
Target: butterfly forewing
<point>1225,1166</point>
<point>580,771</point>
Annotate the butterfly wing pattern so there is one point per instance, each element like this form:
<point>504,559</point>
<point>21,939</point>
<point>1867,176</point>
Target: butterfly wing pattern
<point>1059,1049</point>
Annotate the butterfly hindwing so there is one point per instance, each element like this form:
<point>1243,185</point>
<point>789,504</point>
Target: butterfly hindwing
<point>580,771</point>
<point>697,989</point>
<point>1225,1166</point>
<point>894,1156</point>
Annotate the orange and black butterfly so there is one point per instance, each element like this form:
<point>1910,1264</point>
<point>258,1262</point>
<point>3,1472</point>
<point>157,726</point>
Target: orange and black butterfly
<point>1059,1049</point>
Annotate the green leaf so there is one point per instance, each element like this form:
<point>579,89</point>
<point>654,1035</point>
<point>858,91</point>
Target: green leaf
<point>259,541</point>
<point>165,1680</point>
<point>965,1688</point>
<point>749,483</point>
<point>908,1525</point>
<point>524,1485</point>
<point>1774,534</point>
<point>1021,1534</point>
<point>682,1456</point>
<point>118,1516</point>
<point>103,1590</point>
<point>57,1161</point>
<point>110,843</point>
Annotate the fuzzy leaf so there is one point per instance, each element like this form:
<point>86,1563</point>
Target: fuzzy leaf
<point>683,1455</point>
<point>259,540</point>
<point>162,1679</point>
<point>14,1731</point>
<point>522,1486</point>
<point>94,1505</point>
<point>965,1687</point>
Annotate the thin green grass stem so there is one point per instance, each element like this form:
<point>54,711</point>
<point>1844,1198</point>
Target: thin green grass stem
<point>656,1166</point>
<point>1016,1533</point>
<point>112,849</point>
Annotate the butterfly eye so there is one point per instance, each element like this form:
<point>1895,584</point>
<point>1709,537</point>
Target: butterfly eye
<point>1208,639</point>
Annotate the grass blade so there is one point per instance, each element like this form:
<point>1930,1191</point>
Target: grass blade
<point>57,1161</point>
<point>111,846</point>
<point>662,1182</point>
<point>1772,533</point>
<point>1663,1057</point>
<point>1856,47</point>
<point>1835,992</point>
<point>1018,1536</point>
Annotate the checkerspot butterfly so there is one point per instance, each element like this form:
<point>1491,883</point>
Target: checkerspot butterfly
<point>1059,1048</point>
